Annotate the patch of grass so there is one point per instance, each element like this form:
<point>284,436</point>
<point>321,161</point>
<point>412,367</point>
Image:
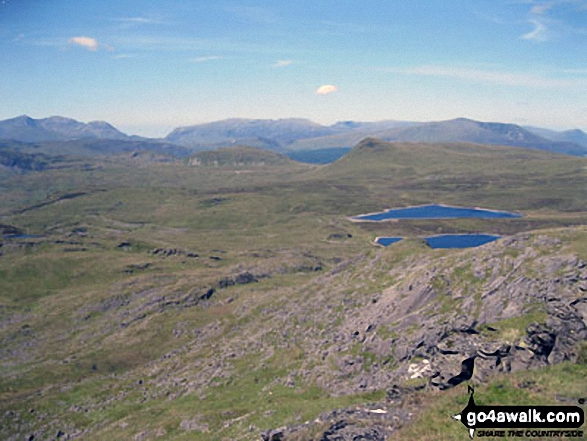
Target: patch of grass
<point>386,332</point>
<point>536,387</point>
<point>514,328</point>
<point>582,357</point>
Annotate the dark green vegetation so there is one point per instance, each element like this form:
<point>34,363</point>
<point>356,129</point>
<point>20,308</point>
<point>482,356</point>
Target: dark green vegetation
<point>238,156</point>
<point>199,302</point>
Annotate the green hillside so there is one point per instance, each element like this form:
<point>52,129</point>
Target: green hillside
<point>229,297</point>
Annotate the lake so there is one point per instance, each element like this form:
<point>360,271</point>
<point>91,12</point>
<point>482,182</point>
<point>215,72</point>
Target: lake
<point>459,240</point>
<point>319,156</point>
<point>435,212</point>
<point>386,241</point>
<point>446,240</point>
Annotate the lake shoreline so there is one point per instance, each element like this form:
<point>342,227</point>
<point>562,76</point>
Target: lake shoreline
<point>505,214</point>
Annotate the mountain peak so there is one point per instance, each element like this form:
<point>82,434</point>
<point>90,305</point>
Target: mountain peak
<point>25,119</point>
<point>55,128</point>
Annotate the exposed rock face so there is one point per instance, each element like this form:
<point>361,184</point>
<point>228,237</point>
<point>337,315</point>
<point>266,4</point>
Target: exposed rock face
<point>351,424</point>
<point>450,326</point>
<point>240,279</point>
<point>507,307</point>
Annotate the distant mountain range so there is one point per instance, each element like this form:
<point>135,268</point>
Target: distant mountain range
<point>288,135</point>
<point>278,134</point>
<point>56,128</point>
<point>575,136</point>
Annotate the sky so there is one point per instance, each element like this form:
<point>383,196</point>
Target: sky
<point>149,66</point>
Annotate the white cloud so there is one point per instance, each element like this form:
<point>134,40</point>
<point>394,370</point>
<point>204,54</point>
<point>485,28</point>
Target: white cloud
<point>283,63</point>
<point>326,89</point>
<point>204,59</point>
<point>86,42</point>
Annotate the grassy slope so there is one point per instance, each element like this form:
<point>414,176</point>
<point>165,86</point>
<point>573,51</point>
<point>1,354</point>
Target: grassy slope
<point>510,178</point>
<point>558,385</point>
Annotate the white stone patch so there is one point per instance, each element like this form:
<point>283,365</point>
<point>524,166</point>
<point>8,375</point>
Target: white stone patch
<point>378,411</point>
<point>417,370</point>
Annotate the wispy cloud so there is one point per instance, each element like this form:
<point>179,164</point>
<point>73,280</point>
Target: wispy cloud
<point>282,63</point>
<point>539,33</point>
<point>346,27</point>
<point>541,8</point>
<point>122,56</point>
<point>575,71</point>
<point>128,22</point>
<point>253,13</point>
<point>549,19</point>
<point>142,42</point>
<point>139,20</point>
<point>85,42</point>
<point>491,76</point>
<point>326,89</point>
<point>205,59</point>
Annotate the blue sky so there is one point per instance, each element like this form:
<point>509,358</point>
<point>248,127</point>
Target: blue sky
<point>149,66</point>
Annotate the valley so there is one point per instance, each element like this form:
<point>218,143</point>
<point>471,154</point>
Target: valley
<point>229,296</point>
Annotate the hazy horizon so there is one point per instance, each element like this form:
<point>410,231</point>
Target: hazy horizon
<point>162,131</point>
<point>147,67</point>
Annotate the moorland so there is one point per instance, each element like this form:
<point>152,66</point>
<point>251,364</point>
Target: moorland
<point>163,293</point>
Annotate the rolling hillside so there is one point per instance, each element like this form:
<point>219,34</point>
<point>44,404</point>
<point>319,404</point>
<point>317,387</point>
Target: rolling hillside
<point>234,300</point>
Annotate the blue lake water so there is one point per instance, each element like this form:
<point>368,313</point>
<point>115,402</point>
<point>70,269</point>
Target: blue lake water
<point>447,240</point>
<point>436,212</point>
<point>319,156</point>
<point>386,241</point>
<point>459,240</point>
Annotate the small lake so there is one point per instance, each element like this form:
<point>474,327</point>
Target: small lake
<point>386,241</point>
<point>459,240</point>
<point>319,156</point>
<point>446,240</point>
<point>435,212</point>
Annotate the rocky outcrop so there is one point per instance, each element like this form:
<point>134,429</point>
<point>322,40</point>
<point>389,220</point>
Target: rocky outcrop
<point>353,424</point>
<point>513,305</point>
